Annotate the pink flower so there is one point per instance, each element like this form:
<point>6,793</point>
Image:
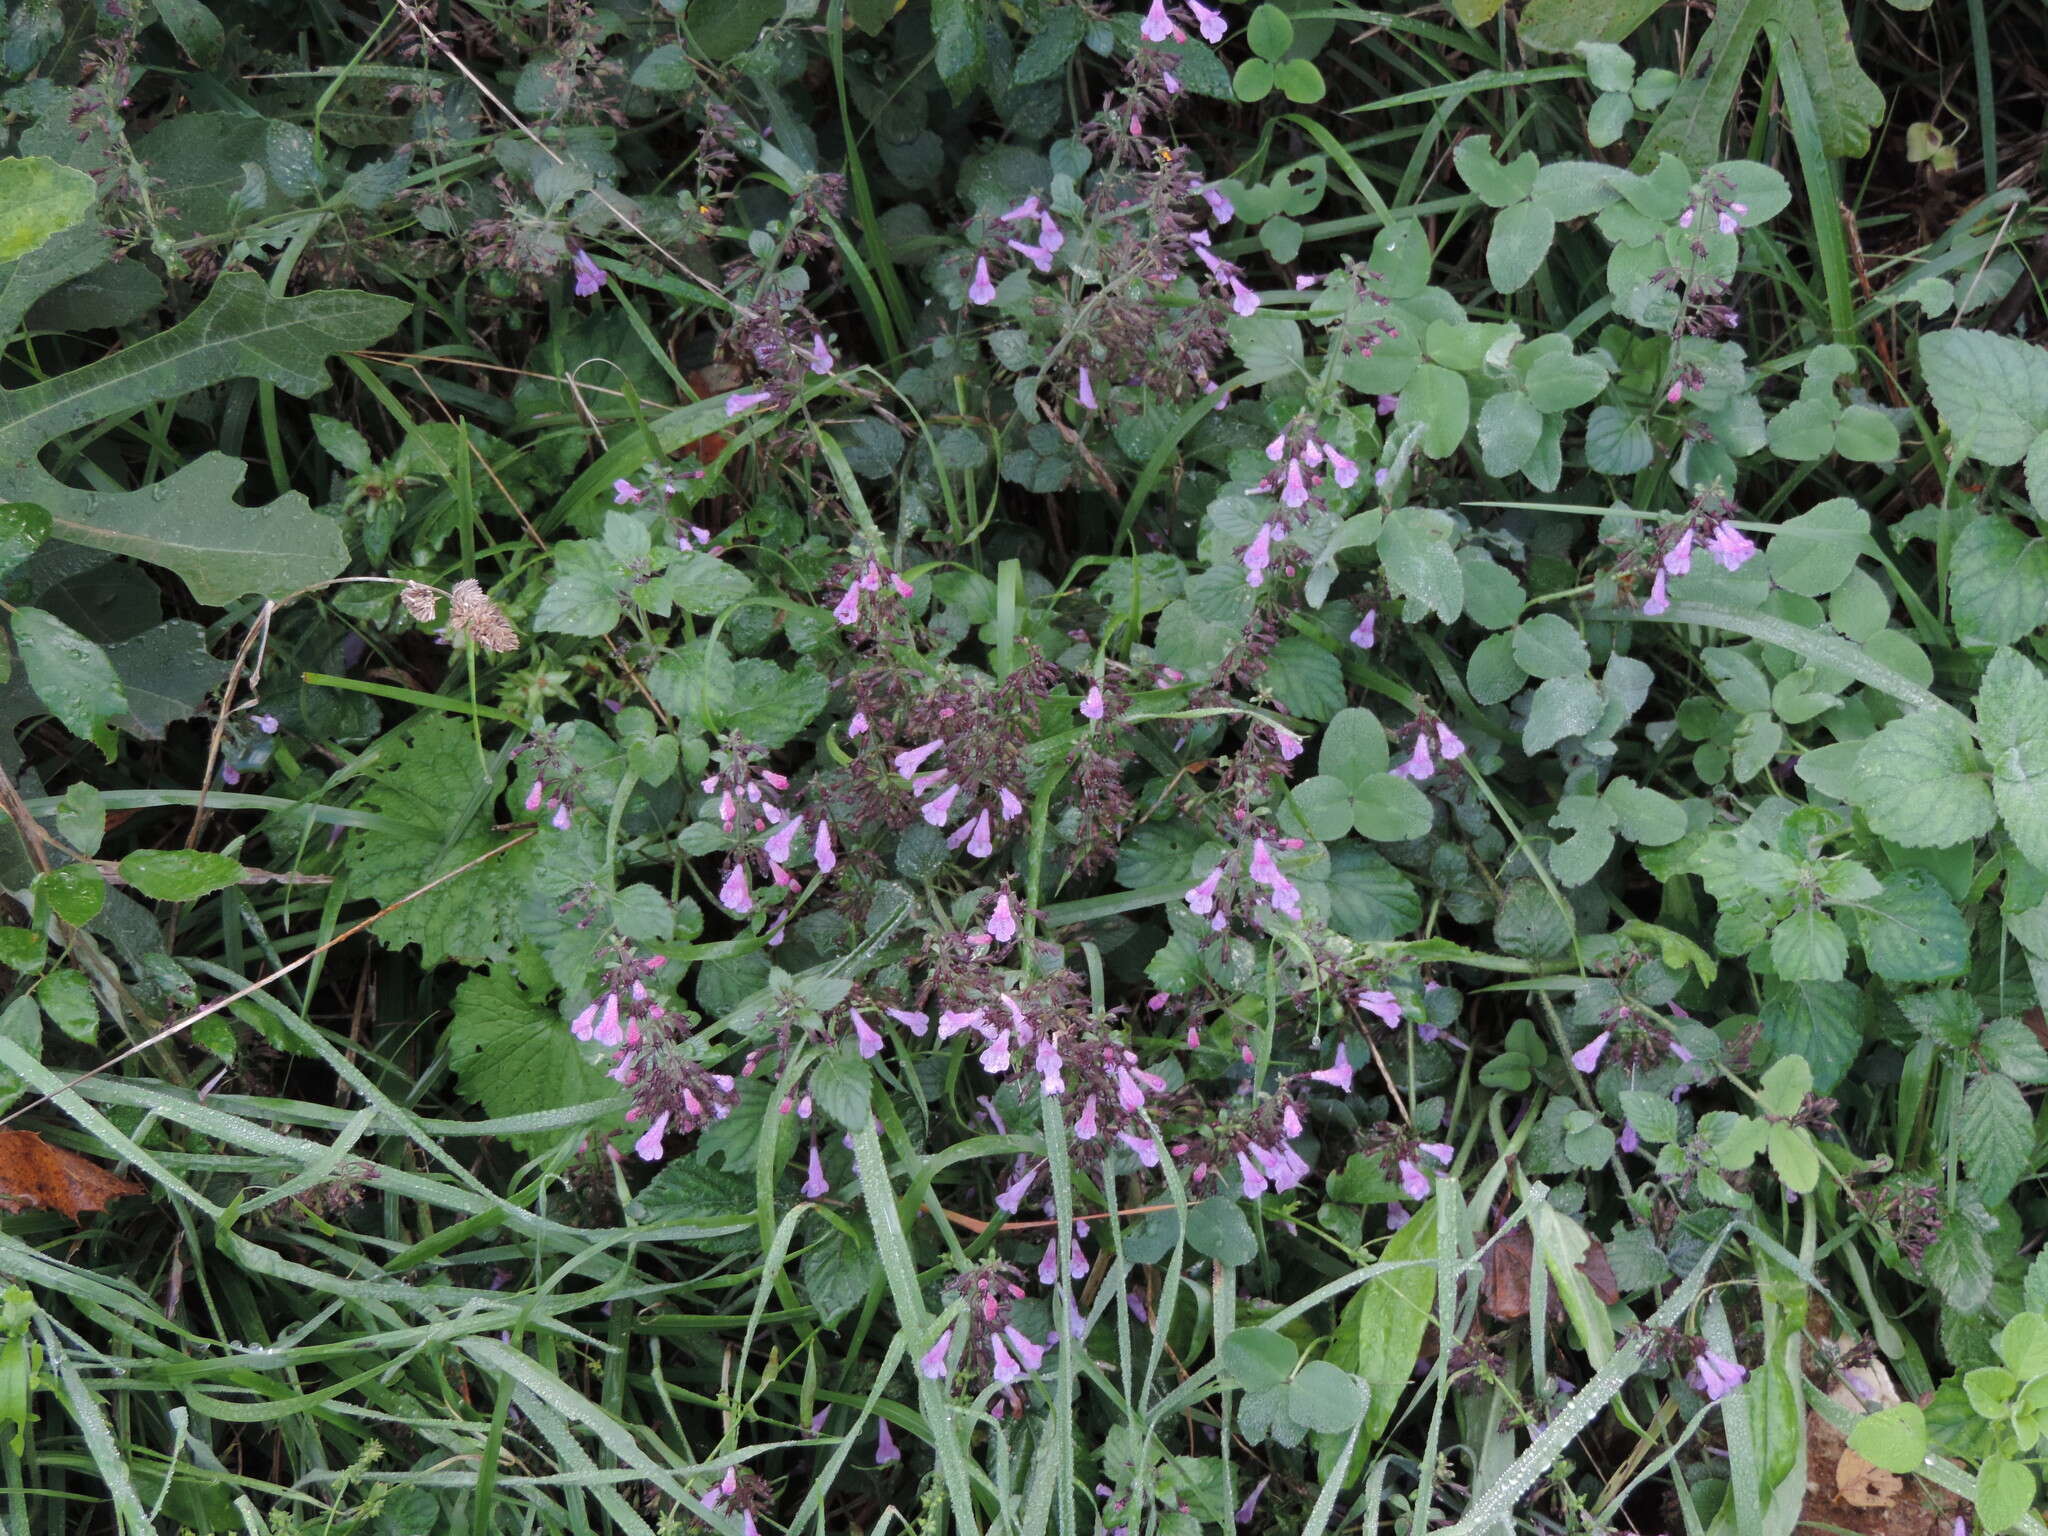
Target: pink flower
<point>1085,389</point>
<point>1338,1076</point>
<point>648,1147</point>
<point>936,808</point>
<point>735,895</point>
<point>1010,805</point>
<point>589,275</point>
<point>1678,559</point>
<point>1730,220</point>
<point>821,849</point>
<point>848,609</point>
<point>1685,219</point>
<point>1675,393</point>
<point>1085,1127</point>
<point>1294,490</point>
<point>977,834</point>
<point>1038,256</point>
<point>1729,546</point>
<point>1210,21</point>
<point>1157,26</point>
<point>1221,208</point>
<point>584,1025</point>
<point>735,404</point>
<point>869,1039</point>
<point>560,820</point>
<point>533,796</point>
<point>1171,81</point>
<point>820,356</point>
<point>932,1364</point>
<point>1587,1057</point>
<point>1201,899</point>
<point>910,1019</point>
<point>1381,1005</point>
<point>1012,1197</point>
<point>1344,471</point>
<point>907,763</point>
<point>1028,209</point>
<point>783,840</point>
<point>626,493</point>
<point>1362,636</point>
<point>1052,1079</point>
<point>1277,449</point>
<point>1448,743</point>
<point>1419,765</point>
<point>1414,1182</point>
<point>1050,236</point>
<point>886,1453</point>
<point>1091,707</point>
<point>1242,300</point>
<point>1715,1375</point>
<point>1002,921</point>
<point>1386,405</point>
<point>1289,743</point>
<point>1659,600</point>
<point>983,289</point>
<point>1258,555</point>
<point>816,1187</point>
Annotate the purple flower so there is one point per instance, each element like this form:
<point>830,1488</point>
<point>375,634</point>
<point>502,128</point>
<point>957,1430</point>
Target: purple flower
<point>735,895</point>
<point>1338,1076</point>
<point>1419,765</point>
<point>1397,1217</point>
<point>1031,1353</point>
<point>1587,1057</point>
<point>1659,600</point>
<point>916,1023</point>
<point>886,1453</point>
<point>584,1025</point>
<point>821,849</point>
<point>869,1038</point>
<point>781,842</point>
<point>626,493</point>
<point>1386,405</point>
<point>1171,81</point>
<point>1449,743</point>
<point>932,1364</point>
<point>1210,21</point>
<point>1048,1063</point>
<point>1050,236</point>
<point>1012,1197</point>
<point>1007,1370</point>
<point>983,289</point>
<point>815,1187</point>
<point>267,724</point>
<point>1037,255</point>
<point>1091,707</point>
<point>533,795</point>
<point>1258,555</point>
<point>1002,922</point>
<point>589,275</point>
<point>1715,1375</point>
<point>1011,806</point>
<point>1201,899</point>
<point>1085,1127</point>
<point>1442,1151</point>
<point>820,356</point>
<point>1729,546</point>
<point>1362,636</point>
<point>907,763</point>
<point>648,1147</point>
<point>849,605</point>
<point>978,835</point>
<point>1028,209</point>
<point>1414,1182</point>
<point>1729,220</point>
<point>1294,489</point>
<point>1085,389</point>
<point>937,808</point>
<point>560,820</point>
<point>1221,208</point>
<point>735,404</point>
<point>1630,1139</point>
<point>1242,300</point>
<point>1157,26</point>
<point>1381,1005</point>
<point>1344,471</point>
<point>1678,560</point>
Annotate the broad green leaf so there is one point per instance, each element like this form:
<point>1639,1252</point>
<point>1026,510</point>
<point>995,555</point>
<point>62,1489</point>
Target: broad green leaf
<point>67,999</point>
<point>1995,1134</point>
<point>2023,1344</point>
<point>1644,816</point>
<point>1354,747</point>
<point>1521,238</point>
<point>71,675</point>
<point>74,892</point>
<point>1548,646</point>
<point>1991,390</point>
<point>1415,546</point>
<point>1785,1085</point>
<point>2012,721</point>
<point>1911,930</point>
<point>1819,1021</point>
<point>1997,582</point>
<point>1259,1357</point>
<point>38,199</point>
<point>1217,1230</point>
<point>179,874</point>
<point>1383,1325</point>
<point>1814,553</point>
<point>1809,946</point>
<point>514,1056</point>
<point>1794,1159</point>
<point>1326,1398</point>
<point>1894,1438</point>
<point>1509,430</point>
<point>2005,1492</point>
<point>1922,782</point>
<point>1563,706</point>
<point>842,1083</point>
<point>189,522</point>
<point>1442,402</point>
<point>1562,25</point>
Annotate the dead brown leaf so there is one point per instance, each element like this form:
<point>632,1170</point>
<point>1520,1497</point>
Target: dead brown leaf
<point>1845,1493</point>
<point>1504,1275</point>
<point>37,1176</point>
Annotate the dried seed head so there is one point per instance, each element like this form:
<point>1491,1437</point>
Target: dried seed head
<point>472,613</point>
<point>419,600</point>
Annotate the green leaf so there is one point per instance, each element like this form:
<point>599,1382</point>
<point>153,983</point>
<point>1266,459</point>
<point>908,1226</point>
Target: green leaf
<point>1492,183</point>
<point>1562,25</point>
<point>1305,678</point>
<point>1819,1021</point>
<point>1814,553</point>
<point>838,1274</point>
<point>22,949</point>
<point>515,1057</point>
<point>842,1083</point>
<point>1922,782</point>
<point>1270,32</point>
<point>1051,46</point>
<point>1267,343</point>
<point>1259,1357</point>
<point>1995,1134</point>
<point>1809,946</point>
<point>67,998</point>
<point>1521,238</point>
<point>179,875</point>
<point>38,199</point>
<point>74,892</point>
<point>1326,1398</point>
<point>1548,646</point>
<point>1912,931</point>
<point>1381,1332</point>
<point>1299,81</point>
<point>1644,816</point>
<point>1442,402</point>
<point>1509,430</point>
<point>2005,1492</point>
<point>1784,1087</point>
<point>1217,1230</point>
<point>1253,80</point>
<point>724,29</point>
<point>1354,748</point>
<point>1991,390</point>
<point>2023,1344</point>
<point>1416,548</point>
<point>1493,676</point>
<point>1997,582</point>
<point>188,522</point>
<point>1560,380</point>
<point>1794,1158</point>
<point>70,674</point>
<point>1562,707</point>
<point>2012,721</point>
<point>1894,1438</point>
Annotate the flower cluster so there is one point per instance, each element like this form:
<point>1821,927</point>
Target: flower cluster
<point>749,803</point>
<point>1421,764</point>
<point>555,778</point>
<point>1671,546</point>
<point>991,1346</point>
<point>1261,881</point>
